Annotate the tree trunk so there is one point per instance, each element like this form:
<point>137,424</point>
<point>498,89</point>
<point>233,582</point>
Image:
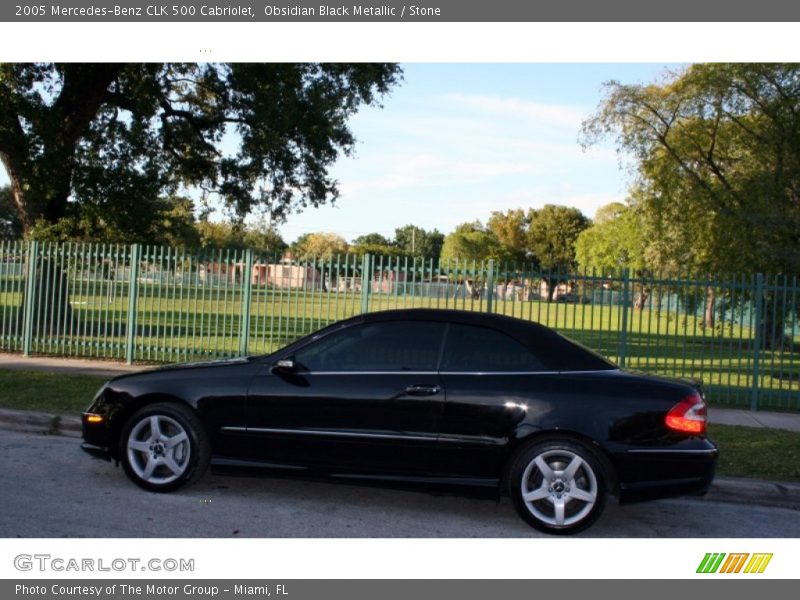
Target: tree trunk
<point>774,322</point>
<point>40,191</point>
<point>551,288</point>
<point>709,317</point>
<point>642,298</point>
<point>52,311</point>
<point>13,170</point>
<point>40,163</point>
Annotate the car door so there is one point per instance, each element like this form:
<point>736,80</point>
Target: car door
<point>364,398</point>
<point>493,382</point>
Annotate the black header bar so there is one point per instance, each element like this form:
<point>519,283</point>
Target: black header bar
<point>395,11</point>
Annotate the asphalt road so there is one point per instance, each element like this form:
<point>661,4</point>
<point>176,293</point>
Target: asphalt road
<point>50,488</point>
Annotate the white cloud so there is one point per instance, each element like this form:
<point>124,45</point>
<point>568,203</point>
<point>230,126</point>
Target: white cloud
<point>497,161</point>
<point>467,139</point>
<point>549,114</point>
<point>429,170</point>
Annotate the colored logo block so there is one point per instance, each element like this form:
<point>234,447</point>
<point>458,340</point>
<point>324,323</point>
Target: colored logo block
<point>737,562</point>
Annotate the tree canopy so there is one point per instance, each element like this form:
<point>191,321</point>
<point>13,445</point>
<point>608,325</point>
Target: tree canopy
<point>372,239</point>
<point>470,242</point>
<point>111,138</point>
<point>511,230</point>
<point>614,240</point>
<point>260,237</point>
<point>411,240</point>
<point>319,246</point>
<point>716,148</point>
<point>374,243</point>
<point>552,233</point>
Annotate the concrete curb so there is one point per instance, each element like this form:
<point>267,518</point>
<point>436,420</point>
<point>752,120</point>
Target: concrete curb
<point>724,489</point>
<point>39,422</point>
<point>755,491</point>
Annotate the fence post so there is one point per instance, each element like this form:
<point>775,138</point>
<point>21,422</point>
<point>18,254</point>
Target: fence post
<point>30,293</point>
<point>623,335</point>
<point>758,341</point>
<point>133,295</point>
<point>490,287</point>
<point>366,282</point>
<point>247,297</point>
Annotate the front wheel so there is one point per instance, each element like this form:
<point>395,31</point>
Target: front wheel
<point>557,486</point>
<point>164,446</point>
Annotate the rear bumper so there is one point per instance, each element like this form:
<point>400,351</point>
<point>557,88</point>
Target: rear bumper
<point>652,473</point>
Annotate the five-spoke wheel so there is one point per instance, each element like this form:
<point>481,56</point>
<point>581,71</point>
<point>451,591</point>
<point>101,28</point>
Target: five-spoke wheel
<point>557,485</point>
<point>164,446</point>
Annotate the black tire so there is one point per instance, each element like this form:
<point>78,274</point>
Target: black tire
<point>537,493</point>
<point>175,455</point>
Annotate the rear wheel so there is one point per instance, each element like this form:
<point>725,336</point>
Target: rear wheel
<point>557,486</point>
<point>164,446</point>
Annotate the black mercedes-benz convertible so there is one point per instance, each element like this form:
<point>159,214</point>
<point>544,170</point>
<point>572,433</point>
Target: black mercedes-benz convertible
<point>419,395</point>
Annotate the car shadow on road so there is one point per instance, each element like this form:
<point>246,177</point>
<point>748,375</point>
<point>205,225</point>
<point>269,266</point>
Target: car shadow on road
<point>276,505</point>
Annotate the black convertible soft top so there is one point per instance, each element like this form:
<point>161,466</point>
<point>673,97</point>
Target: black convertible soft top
<point>555,351</point>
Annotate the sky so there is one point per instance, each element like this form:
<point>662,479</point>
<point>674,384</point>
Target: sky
<point>454,142</point>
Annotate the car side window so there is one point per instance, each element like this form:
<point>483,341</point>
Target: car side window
<point>483,350</point>
<point>387,346</point>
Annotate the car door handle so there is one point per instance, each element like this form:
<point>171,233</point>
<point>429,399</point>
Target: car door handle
<point>422,390</point>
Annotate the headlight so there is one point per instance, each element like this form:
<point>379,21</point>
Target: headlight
<point>99,394</point>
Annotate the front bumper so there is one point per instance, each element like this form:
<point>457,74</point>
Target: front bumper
<point>96,451</point>
<point>96,437</point>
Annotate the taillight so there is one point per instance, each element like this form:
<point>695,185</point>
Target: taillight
<point>688,416</point>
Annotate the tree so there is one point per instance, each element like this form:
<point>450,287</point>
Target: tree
<point>552,234</point>
<point>218,234</point>
<point>10,226</point>
<point>375,250</point>
<point>717,153</point>
<point>373,243</point>
<point>470,242</point>
<point>614,240</point>
<point>167,221</point>
<point>259,135</point>
<point>609,212</point>
<point>511,230</point>
<point>416,241</point>
<point>372,239</point>
<point>319,246</point>
<point>262,237</point>
<point>716,148</point>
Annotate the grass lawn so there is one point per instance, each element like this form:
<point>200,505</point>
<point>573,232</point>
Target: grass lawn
<point>47,392</point>
<point>744,451</point>
<point>758,453</point>
<point>177,323</point>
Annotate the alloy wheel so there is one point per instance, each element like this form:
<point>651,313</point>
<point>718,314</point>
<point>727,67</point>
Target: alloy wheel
<point>158,449</point>
<point>559,488</point>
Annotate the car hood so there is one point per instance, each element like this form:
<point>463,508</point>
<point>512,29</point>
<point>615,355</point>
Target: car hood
<point>223,362</point>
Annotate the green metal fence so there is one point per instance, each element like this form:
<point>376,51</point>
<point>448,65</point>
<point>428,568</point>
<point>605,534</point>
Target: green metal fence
<point>740,334</point>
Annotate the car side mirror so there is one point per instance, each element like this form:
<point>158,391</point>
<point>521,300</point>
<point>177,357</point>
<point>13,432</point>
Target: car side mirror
<point>286,364</point>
